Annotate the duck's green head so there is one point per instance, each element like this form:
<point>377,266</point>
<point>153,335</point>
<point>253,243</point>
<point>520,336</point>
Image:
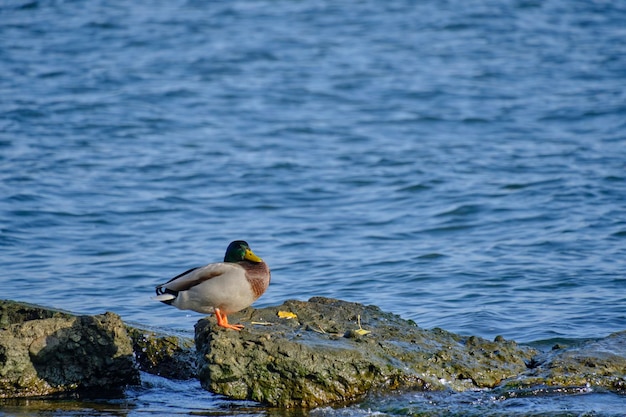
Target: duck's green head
<point>240,251</point>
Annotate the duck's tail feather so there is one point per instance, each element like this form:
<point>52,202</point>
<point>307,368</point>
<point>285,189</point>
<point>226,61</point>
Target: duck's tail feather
<point>164,297</point>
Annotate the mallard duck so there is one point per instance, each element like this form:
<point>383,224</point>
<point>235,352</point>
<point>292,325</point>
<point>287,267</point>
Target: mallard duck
<point>221,288</point>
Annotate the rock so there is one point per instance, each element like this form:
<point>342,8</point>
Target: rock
<point>322,356</point>
<point>12,312</point>
<point>596,363</point>
<point>299,354</point>
<point>44,352</point>
<point>165,355</point>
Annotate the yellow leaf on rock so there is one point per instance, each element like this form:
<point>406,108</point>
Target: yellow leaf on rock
<point>287,315</point>
<point>361,331</point>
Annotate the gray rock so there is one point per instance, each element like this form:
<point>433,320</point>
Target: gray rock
<point>321,357</point>
<point>43,352</point>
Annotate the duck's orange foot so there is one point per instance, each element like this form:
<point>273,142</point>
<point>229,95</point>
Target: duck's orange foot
<point>222,321</point>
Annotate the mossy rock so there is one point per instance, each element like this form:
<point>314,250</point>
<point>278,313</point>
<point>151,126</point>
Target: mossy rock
<point>322,355</point>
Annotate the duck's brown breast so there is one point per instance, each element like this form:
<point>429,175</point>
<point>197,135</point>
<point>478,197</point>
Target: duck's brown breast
<point>258,274</point>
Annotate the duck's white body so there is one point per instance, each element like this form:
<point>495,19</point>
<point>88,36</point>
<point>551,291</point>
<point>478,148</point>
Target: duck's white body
<point>222,287</point>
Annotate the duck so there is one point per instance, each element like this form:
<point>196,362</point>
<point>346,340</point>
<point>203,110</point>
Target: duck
<point>220,288</point>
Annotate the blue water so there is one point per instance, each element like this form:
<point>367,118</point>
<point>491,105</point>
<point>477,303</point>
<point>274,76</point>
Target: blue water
<point>460,163</point>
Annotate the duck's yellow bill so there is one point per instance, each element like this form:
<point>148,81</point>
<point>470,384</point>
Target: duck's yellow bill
<point>250,256</point>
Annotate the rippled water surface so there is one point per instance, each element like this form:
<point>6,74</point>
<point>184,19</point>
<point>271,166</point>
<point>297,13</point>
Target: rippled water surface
<point>462,164</point>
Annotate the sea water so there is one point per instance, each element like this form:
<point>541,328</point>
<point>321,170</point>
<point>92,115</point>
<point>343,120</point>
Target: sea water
<point>459,163</point>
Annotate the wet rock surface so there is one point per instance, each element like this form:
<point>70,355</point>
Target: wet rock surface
<point>321,355</point>
<point>45,352</point>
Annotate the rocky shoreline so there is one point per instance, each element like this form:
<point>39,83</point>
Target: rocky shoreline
<point>298,354</point>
